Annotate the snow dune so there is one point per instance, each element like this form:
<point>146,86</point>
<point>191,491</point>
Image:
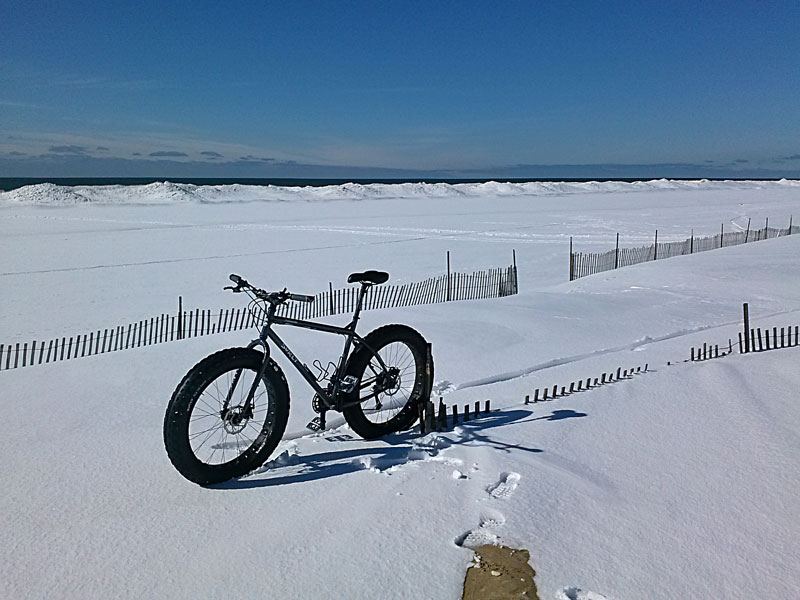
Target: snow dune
<point>167,192</point>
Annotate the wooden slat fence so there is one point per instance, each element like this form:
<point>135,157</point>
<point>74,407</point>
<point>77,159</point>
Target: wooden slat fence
<point>751,339</point>
<point>432,418</point>
<point>491,283</point>
<point>583,264</point>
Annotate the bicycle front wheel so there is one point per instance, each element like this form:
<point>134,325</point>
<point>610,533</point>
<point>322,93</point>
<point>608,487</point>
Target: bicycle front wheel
<point>388,396</point>
<point>211,432</point>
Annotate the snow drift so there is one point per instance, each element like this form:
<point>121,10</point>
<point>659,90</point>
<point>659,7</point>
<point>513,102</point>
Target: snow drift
<point>166,192</point>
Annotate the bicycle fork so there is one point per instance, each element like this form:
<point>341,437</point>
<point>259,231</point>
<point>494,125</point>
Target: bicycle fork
<point>247,407</point>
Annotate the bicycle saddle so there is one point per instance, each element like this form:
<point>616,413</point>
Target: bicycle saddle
<point>368,277</point>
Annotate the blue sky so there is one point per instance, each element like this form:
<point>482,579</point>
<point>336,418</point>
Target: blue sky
<point>361,89</point>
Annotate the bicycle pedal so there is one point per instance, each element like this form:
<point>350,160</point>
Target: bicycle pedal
<point>316,424</point>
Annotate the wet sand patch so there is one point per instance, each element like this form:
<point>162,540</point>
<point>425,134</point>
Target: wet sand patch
<point>500,573</point>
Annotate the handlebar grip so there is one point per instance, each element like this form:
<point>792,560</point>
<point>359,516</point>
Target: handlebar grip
<point>301,298</point>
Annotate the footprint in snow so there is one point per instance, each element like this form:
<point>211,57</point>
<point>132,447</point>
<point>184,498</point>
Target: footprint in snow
<point>492,518</point>
<point>425,450</point>
<point>505,486</point>
<point>477,538</point>
<point>482,536</point>
<point>573,593</point>
<point>443,387</point>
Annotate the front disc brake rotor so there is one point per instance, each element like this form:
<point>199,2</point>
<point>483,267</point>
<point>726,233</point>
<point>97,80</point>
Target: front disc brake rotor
<point>234,421</point>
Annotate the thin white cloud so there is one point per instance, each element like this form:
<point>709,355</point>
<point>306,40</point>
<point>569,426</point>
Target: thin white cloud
<point>126,144</point>
<point>13,104</point>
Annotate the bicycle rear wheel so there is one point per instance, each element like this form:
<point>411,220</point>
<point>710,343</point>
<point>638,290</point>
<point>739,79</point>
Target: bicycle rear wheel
<point>388,397</point>
<point>209,444</point>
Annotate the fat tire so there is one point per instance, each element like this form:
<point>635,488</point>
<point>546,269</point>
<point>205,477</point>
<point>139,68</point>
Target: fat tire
<point>356,365</point>
<point>179,410</point>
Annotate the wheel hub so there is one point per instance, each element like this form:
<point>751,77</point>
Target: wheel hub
<point>391,383</point>
<point>234,420</point>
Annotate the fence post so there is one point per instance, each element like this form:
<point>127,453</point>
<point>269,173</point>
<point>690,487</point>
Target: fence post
<point>448,276</point>
<point>766,228</point>
<point>430,416</point>
<point>571,261</point>
<point>747,233</point>
<point>721,234</point>
<point>429,372</point>
<point>655,247</point>
<point>691,243</point>
<point>746,311</point>
<point>514,262</point>
<point>180,317</point>
<point>616,254</point>
<point>790,225</point>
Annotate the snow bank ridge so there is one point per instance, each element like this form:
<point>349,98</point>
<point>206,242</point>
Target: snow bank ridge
<point>166,192</point>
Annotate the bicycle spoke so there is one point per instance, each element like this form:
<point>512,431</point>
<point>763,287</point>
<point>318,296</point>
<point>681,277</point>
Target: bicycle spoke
<point>257,430</point>
<point>382,407</point>
<point>203,416</point>
<point>210,407</point>
<point>215,443</point>
<point>199,433</point>
<point>208,437</point>
<point>220,397</point>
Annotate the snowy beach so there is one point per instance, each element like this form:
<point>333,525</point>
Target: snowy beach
<point>681,482</point>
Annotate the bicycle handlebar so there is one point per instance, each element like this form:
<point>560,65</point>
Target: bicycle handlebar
<point>301,298</point>
<point>274,297</point>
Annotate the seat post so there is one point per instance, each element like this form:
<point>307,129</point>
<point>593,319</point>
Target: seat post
<point>359,304</point>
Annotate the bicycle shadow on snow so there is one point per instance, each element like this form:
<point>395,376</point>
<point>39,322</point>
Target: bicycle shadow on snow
<point>393,451</point>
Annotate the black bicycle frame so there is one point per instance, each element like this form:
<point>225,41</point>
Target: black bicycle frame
<point>348,331</point>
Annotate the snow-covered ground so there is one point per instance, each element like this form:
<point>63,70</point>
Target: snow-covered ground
<point>679,483</point>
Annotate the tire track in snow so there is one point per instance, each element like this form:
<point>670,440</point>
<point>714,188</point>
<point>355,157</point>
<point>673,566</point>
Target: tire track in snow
<point>455,234</point>
<point>201,258</point>
<point>579,357</point>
